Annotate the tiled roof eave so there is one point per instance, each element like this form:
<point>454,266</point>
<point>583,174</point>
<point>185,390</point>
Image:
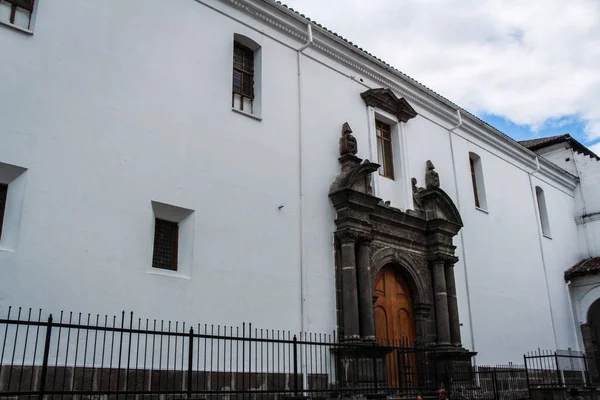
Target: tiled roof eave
<point>590,266</point>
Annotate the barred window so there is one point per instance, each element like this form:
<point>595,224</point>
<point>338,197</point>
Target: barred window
<point>243,71</point>
<point>3,193</point>
<point>17,12</point>
<point>166,241</point>
<point>384,149</point>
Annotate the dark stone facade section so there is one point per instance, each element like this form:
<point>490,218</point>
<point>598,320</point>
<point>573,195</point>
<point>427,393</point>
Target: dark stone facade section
<point>417,243</point>
<point>386,100</point>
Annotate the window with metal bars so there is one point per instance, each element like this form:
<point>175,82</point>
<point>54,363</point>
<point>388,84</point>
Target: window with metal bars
<point>17,12</point>
<point>243,73</point>
<point>166,242</point>
<point>384,149</point>
<point>3,194</point>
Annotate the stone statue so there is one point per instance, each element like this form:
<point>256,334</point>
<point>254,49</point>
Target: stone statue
<point>432,179</point>
<point>348,143</point>
<point>418,203</point>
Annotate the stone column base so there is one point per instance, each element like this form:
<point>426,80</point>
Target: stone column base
<point>361,369</point>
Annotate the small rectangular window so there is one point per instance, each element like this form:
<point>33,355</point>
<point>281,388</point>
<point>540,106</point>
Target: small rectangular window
<point>3,193</point>
<point>17,12</point>
<point>166,241</point>
<point>474,179</point>
<point>384,149</point>
<point>243,72</point>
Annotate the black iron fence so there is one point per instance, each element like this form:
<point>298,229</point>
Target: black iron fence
<point>561,369</point>
<point>92,355</point>
<point>503,382</point>
<point>85,355</point>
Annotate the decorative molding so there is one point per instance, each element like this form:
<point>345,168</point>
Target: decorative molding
<point>386,100</point>
<point>415,92</point>
<point>350,236</point>
<point>442,258</point>
<point>587,218</point>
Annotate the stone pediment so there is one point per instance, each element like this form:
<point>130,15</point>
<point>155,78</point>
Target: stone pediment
<point>438,205</point>
<point>386,100</point>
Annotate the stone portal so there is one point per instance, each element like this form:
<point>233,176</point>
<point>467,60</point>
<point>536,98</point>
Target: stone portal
<point>375,242</point>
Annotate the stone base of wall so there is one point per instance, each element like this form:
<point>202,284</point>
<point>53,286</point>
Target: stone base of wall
<point>79,379</point>
<point>561,394</point>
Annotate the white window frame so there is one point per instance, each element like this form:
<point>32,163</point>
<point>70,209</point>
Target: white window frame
<point>479,181</point>
<point>400,154</point>
<point>542,211</point>
<point>185,218</point>
<point>251,108</point>
<point>32,18</point>
<point>16,179</point>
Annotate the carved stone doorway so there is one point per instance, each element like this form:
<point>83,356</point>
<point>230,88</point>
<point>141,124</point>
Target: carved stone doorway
<point>395,324</point>
<point>592,346</point>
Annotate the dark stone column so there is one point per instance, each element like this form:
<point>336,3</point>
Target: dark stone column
<point>365,291</point>
<point>442,322</point>
<point>452,304</point>
<point>349,288</point>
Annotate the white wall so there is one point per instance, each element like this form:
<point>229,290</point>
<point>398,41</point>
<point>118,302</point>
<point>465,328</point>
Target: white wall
<point>114,107</point>
<point>587,195</point>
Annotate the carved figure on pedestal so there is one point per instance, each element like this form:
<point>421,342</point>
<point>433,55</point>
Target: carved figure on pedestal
<point>432,179</point>
<point>355,173</point>
<point>418,203</point>
<point>348,143</point>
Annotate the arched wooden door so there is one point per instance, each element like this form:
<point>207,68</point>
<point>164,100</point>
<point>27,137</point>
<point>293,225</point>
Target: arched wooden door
<point>395,324</point>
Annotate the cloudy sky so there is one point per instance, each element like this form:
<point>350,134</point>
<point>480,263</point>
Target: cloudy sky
<point>529,68</point>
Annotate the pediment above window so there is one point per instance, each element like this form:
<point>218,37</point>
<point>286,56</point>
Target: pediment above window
<point>386,100</point>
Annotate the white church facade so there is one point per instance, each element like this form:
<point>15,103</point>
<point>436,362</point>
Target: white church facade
<point>229,161</point>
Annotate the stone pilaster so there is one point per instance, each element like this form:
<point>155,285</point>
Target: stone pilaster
<point>442,320</point>
<point>452,302</point>
<point>349,287</point>
<point>422,322</point>
<point>365,290</point>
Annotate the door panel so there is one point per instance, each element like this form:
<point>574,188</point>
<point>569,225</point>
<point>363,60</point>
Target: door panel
<point>395,323</point>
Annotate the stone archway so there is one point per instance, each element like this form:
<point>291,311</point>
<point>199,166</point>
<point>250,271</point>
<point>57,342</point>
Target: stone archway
<point>590,332</point>
<point>408,268</point>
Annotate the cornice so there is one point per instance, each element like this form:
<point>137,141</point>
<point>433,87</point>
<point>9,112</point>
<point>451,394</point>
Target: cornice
<point>338,49</point>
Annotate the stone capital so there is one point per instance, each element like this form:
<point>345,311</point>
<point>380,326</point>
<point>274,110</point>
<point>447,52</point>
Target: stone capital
<point>352,236</point>
<point>442,258</point>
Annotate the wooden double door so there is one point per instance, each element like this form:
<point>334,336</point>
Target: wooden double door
<point>395,325</point>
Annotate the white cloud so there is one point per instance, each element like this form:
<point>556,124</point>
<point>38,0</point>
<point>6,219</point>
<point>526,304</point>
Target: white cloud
<point>595,148</point>
<point>530,62</point>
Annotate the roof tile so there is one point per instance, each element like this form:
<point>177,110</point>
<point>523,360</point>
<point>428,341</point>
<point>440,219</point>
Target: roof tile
<point>590,266</point>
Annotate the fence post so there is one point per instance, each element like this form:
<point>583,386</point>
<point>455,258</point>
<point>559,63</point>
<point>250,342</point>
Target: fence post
<point>527,375</point>
<point>495,384</point>
<point>588,381</point>
<point>435,370</point>
<point>190,361</point>
<point>45,360</point>
<point>295,366</point>
<point>558,371</point>
<point>374,368</point>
